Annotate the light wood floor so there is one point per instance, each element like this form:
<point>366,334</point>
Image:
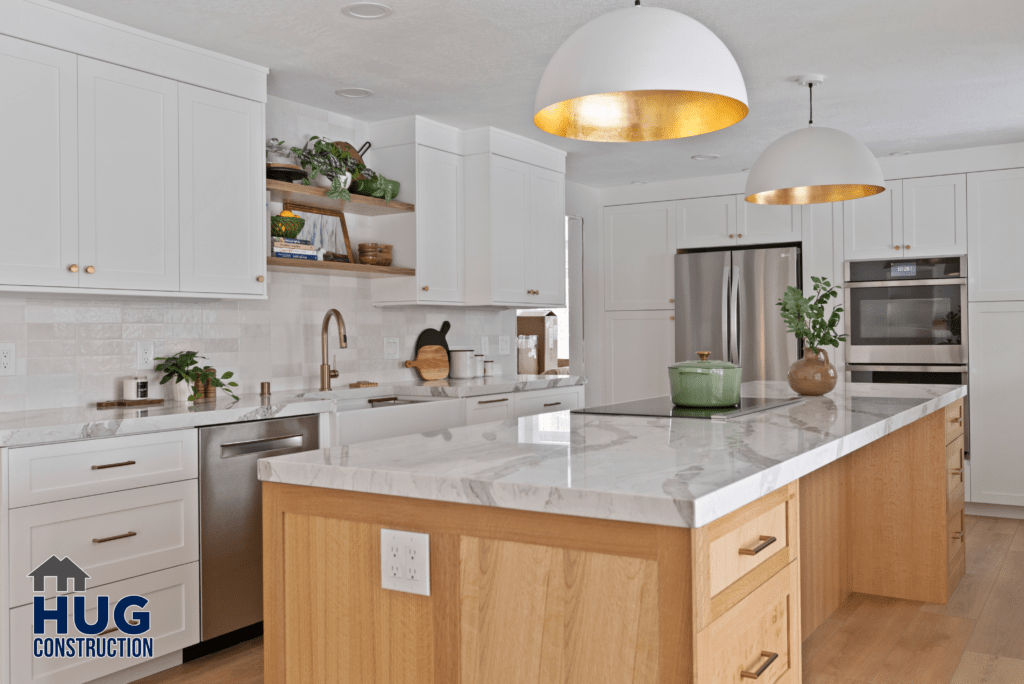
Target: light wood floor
<point>977,638</point>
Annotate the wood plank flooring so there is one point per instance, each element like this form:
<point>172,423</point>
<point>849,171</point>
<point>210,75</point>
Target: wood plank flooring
<point>977,638</point>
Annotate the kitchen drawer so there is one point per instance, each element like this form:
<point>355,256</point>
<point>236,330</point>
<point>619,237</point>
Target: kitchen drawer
<point>163,522</point>
<point>55,472</point>
<point>954,420</point>
<point>739,552</point>
<point>546,401</point>
<point>955,472</point>
<point>490,408</point>
<point>760,635</point>
<point>955,533</point>
<point>174,624</point>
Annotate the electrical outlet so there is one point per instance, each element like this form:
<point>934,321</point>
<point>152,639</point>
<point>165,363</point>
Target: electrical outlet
<point>7,358</point>
<point>390,348</point>
<point>405,561</point>
<point>485,346</point>
<point>146,356</point>
<point>503,347</point>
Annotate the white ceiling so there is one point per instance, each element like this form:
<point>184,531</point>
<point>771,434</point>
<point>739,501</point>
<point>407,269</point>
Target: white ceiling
<point>917,75</point>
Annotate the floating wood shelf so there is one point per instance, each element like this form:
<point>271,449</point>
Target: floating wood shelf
<point>282,191</point>
<point>338,268</point>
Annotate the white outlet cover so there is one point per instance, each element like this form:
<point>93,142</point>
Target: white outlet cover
<point>390,348</point>
<point>485,346</point>
<point>146,361</point>
<point>8,359</point>
<point>503,346</point>
<point>413,561</point>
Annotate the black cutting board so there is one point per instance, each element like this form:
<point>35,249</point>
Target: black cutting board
<point>431,336</point>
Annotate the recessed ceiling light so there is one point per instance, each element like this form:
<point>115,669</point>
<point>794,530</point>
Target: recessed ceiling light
<point>639,182</point>
<point>354,92</point>
<point>746,169</point>
<point>901,153</point>
<point>367,10</point>
<point>705,157</point>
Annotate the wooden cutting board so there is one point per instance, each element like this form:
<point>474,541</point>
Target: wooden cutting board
<point>431,361</point>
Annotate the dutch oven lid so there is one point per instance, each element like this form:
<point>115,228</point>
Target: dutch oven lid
<point>703,365</point>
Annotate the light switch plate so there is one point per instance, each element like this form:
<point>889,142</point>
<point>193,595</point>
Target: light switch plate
<point>390,348</point>
<point>405,561</point>
<point>7,358</point>
<point>503,345</point>
<point>146,355</point>
<point>485,345</point>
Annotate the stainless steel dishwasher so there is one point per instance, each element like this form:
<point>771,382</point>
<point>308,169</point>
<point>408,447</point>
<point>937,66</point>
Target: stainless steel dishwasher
<point>231,519</point>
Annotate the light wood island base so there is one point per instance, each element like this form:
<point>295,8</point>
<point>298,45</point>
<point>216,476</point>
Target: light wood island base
<point>520,597</point>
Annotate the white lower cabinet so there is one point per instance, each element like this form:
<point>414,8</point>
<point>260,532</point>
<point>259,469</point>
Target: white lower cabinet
<point>997,374</point>
<point>548,400</point>
<point>173,608</point>
<point>491,407</point>
<point>638,348</point>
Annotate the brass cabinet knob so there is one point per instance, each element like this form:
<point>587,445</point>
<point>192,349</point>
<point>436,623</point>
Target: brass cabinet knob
<point>90,269</point>
<point>671,318</point>
<point>897,246</point>
<point>907,247</point>
<point>426,288</point>
<point>73,268</point>
<point>260,279</point>
<point>739,235</point>
<point>731,237</point>
<point>671,301</point>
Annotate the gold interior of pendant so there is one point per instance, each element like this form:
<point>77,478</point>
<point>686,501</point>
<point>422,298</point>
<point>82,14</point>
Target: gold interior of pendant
<point>814,194</point>
<point>639,115</point>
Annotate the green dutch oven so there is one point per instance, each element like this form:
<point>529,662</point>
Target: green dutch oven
<point>705,384</point>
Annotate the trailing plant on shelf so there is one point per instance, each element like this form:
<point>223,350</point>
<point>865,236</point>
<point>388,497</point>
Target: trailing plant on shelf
<point>321,157</point>
<point>805,316</point>
<point>183,367</point>
<point>278,149</point>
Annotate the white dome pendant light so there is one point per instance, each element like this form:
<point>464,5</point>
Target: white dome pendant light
<point>814,166</point>
<point>640,73</point>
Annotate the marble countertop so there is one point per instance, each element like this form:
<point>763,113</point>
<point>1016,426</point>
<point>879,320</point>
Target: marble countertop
<point>676,472</point>
<point>46,426</point>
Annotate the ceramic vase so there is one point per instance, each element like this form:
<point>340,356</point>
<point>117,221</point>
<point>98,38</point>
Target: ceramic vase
<point>180,391</point>
<point>813,375</point>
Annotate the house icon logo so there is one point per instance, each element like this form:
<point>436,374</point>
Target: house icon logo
<point>63,570</point>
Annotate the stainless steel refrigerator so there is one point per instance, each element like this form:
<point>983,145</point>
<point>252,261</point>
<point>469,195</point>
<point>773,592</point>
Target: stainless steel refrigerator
<point>725,304</point>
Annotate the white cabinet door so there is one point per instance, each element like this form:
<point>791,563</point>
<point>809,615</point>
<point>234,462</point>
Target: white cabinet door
<point>706,222</point>
<point>221,200</point>
<point>510,230</point>
<point>39,165</point>
<point>639,246</point>
<point>128,178</point>
<point>639,347</point>
<point>997,452</point>
<point>765,224</point>
<point>546,255</point>
<point>935,216</point>
<point>440,241</point>
<point>995,233</point>
<point>873,226</point>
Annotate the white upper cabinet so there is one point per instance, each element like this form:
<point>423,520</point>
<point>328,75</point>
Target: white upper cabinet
<point>935,216</point>
<point>638,348</point>
<point>873,226</point>
<point>128,178</point>
<point>706,222</point>
<point>995,234</point>
<point>510,217</point>
<point>546,266</point>
<point>439,226</point>
<point>764,224</point>
<point>221,200</point>
<point>39,165</point>
<point>640,243</point>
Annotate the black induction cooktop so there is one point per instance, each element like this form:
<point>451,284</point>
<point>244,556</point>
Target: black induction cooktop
<point>662,407</point>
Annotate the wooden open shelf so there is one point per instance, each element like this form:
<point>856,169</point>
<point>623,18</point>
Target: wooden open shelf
<point>308,195</point>
<point>336,268</point>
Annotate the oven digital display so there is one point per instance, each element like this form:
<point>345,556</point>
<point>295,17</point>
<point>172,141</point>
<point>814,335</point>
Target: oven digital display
<point>904,270</point>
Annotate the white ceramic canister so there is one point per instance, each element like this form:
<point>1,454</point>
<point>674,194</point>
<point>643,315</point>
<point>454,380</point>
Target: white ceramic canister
<point>479,368</point>
<point>135,388</point>
<point>462,363</point>
<point>488,368</point>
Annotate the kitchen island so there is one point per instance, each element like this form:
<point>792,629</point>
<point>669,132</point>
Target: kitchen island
<point>580,548</point>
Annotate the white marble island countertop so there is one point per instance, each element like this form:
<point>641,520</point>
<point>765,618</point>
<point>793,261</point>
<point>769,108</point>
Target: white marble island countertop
<point>675,472</point>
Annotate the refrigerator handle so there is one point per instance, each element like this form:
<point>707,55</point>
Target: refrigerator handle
<point>725,313</point>
<point>734,318</point>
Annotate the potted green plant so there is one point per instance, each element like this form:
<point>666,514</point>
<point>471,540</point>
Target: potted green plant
<point>807,319</point>
<point>278,152</point>
<point>189,377</point>
<point>327,165</point>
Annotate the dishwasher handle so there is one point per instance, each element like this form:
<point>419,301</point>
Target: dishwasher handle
<point>232,449</point>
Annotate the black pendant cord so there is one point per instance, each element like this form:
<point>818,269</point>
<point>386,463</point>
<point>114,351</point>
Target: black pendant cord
<point>810,93</point>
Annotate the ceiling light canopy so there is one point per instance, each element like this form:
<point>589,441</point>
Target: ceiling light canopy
<point>705,157</point>
<point>354,92</point>
<point>640,73</point>
<point>367,10</point>
<point>813,166</point>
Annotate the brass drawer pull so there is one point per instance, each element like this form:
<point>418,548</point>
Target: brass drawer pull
<point>114,629</point>
<point>113,465</point>
<point>765,543</point>
<point>492,401</point>
<point>381,400</point>
<point>120,536</point>
<point>958,535</point>
<point>957,471</point>
<point>556,403</point>
<point>764,666</point>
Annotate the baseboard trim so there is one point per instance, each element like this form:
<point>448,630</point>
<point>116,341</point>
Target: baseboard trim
<point>150,667</point>
<point>995,510</point>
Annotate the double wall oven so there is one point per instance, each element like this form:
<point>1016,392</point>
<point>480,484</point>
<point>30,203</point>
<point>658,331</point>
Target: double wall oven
<point>906,321</point>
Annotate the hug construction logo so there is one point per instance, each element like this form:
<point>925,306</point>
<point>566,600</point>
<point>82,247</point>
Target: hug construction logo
<point>94,640</point>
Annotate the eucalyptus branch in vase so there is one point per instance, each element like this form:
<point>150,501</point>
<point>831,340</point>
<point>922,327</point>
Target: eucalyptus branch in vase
<point>806,317</point>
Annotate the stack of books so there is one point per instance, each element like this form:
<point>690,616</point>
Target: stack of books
<point>288,248</point>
